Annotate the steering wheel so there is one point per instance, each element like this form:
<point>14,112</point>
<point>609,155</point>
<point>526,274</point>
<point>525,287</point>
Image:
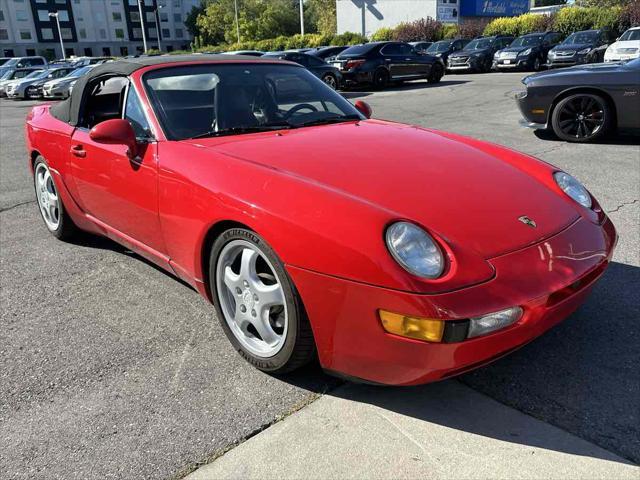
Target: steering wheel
<point>299,107</point>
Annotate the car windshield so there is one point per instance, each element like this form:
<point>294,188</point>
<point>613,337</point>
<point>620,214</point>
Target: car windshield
<point>78,72</point>
<point>358,50</point>
<point>5,73</point>
<point>527,41</point>
<point>37,74</point>
<point>439,47</point>
<point>479,44</point>
<point>630,35</point>
<point>228,99</point>
<point>581,38</point>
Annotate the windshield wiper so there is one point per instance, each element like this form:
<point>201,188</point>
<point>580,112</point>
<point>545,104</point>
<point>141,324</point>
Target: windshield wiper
<point>238,130</point>
<point>328,120</point>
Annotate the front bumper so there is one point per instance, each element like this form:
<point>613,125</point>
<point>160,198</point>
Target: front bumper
<point>56,92</point>
<point>570,61</point>
<point>549,280</point>
<point>512,63</point>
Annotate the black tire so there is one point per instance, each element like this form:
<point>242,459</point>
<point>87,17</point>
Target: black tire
<point>380,78</point>
<point>582,117</point>
<point>65,229</point>
<point>537,64</point>
<point>299,346</point>
<point>436,73</point>
<point>331,80</point>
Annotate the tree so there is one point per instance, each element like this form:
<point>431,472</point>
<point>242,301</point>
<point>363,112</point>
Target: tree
<point>320,16</point>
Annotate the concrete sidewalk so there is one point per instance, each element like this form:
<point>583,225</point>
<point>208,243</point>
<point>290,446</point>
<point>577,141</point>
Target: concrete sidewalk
<point>439,431</point>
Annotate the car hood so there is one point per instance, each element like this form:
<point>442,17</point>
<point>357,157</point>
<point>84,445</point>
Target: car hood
<point>59,81</point>
<point>573,47</point>
<point>594,68</point>
<point>459,192</point>
<point>518,49</point>
<point>467,53</point>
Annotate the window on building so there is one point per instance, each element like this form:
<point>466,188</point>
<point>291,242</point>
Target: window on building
<point>133,3</point>
<point>169,48</point>
<point>166,33</point>
<point>41,1</point>
<point>79,19</point>
<point>69,51</point>
<point>88,52</point>
<point>31,52</point>
<point>150,17</point>
<point>124,51</point>
<point>117,16</point>
<point>177,17</point>
<point>63,15</point>
<point>176,4</point>
<point>43,15</point>
<point>61,2</point>
<point>82,32</point>
<point>18,1</point>
<point>179,33</point>
<point>106,51</point>
<point>135,17</point>
<point>25,34</point>
<point>103,33</point>
<point>21,15</point>
<point>137,32</point>
<point>115,3</point>
<point>67,34</point>
<point>4,34</point>
<point>47,33</point>
<point>153,33</point>
<point>8,52</point>
<point>119,33</point>
<point>1,16</point>
<point>164,17</point>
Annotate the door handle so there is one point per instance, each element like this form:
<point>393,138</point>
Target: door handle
<point>78,151</point>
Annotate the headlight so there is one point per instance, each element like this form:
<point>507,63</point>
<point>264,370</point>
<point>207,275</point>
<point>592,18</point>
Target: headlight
<point>414,250</point>
<point>497,55</point>
<point>525,52</point>
<point>573,188</point>
<point>584,51</point>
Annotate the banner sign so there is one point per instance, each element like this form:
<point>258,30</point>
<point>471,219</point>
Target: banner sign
<point>493,8</point>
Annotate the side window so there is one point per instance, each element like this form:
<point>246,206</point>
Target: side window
<point>36,61</point>
<point>315,62</point>
<point>104,101</point>
<point>391,49</point>
<point>135,114</point>
<point>405,49</point>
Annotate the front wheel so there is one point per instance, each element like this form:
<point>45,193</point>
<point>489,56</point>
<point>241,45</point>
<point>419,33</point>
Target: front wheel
<point>537,64</point>
<point>583,117</point>
<point>436,73</point>
<point>330,80</point>
<point>380,78</point>
<point>257,304</point>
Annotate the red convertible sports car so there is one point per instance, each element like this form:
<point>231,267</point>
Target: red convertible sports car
<point>392,253</point>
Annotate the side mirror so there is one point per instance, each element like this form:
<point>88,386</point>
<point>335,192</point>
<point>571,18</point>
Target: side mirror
<point>116,132</point>
<point>363,108</point>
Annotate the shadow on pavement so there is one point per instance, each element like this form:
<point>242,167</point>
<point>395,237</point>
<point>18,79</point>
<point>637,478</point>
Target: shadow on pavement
<point>617,138</point>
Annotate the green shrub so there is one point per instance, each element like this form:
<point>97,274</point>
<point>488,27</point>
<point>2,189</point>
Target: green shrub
<point>348,38</point>
<point>503,26</point>
<point>383,34</point>
<point>449,30</point>
<point>574,19</point>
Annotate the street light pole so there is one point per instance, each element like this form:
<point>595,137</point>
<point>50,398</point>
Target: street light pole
<point>235,2</point>
<point>158,27</point>
<point>55,14</point>
<point>301,18</point>
<point>144,36</point>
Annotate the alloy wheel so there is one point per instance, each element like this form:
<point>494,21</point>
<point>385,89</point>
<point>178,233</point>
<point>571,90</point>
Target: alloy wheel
<point>48,200</point>
<point>582,117</point>
<point>331,81</point>
<point>251,298</point>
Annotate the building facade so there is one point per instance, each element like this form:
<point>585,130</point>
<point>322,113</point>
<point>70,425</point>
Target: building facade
<point>92,27</point>
<point>367,16</point>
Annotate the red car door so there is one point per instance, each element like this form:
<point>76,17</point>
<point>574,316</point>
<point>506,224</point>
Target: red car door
<point>120,192</point>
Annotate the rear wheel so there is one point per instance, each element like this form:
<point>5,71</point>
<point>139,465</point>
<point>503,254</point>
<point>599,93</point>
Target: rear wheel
<point>380,78</point>
<point>436,73</point>
<point>582,117</point>
<point>330,80</point>
<point>257,304</point>
<point>50,204</point>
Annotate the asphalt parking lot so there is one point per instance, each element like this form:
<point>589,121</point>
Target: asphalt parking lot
<point>111,368</point>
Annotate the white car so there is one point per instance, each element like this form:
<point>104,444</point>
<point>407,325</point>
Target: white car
<point>627,47</point>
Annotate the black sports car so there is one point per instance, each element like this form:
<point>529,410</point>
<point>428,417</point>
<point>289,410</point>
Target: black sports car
<point>380,63</point>
<point>528,52</point>
<point>321,69</point>
<point>585,102</point>
<point>587,46</point>
<point>477,55</point>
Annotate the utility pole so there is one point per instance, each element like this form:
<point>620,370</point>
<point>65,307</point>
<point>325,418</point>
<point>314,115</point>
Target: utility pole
<point>301,18</point>
<point>237,24</point>
<point>144,36</point>
<point>55,14</point>
<point>158,26</point>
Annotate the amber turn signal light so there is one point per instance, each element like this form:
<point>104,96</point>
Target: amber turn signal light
<point>427,329</point>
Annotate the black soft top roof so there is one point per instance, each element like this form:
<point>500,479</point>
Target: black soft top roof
<point>69,110</point>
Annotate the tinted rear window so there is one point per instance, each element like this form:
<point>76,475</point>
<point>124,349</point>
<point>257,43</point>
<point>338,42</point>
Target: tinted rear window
<point>358,50</point>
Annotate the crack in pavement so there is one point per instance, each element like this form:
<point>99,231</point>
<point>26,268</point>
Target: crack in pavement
<point>623,204</point>
<point>11,207</point>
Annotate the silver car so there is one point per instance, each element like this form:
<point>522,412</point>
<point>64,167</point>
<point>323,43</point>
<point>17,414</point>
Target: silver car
<point>8,75</point>
<point>59,88</point>
<point>31,85</point>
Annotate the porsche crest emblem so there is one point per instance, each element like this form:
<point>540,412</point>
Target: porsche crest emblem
<point>528,221</point>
